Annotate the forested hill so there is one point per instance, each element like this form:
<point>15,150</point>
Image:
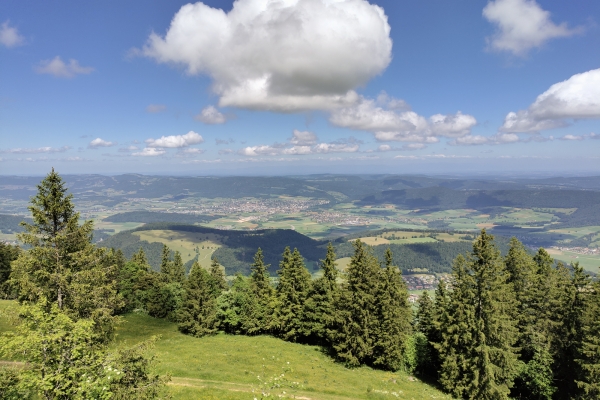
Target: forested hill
<point>238,248</point>
<point>147,217</point>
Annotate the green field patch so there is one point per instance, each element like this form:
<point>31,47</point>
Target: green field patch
<point>577,232</point>
<point>588,262</point>
<point>116,226</point>
<point>189,244</point>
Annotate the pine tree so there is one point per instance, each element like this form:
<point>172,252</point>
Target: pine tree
<point>178,269</point>
<point>261,317</point>
<point>237,308</point>
<point>532,280</point>
<point>478,357</point>
<point>218,282</point>
<point>292,291</point>
<point>140,258</point>
<point>356,309</point>
<point>425,325</point>
<point>589,359</point>
<point>197,315</point>
<point>570,333</point>
<point>62,266</point>
<point>319,309</point>
<point>394,316</point>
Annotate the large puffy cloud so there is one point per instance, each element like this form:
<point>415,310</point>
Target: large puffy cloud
<point>175,141</point>
<point>522,25</point>
<point>397,125</point>
<point>279,55</point>
<point>9,36</point>
<point>59,69</point>
<point>575,98</point>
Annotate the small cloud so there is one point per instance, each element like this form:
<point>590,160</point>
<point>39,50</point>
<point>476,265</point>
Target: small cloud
<point>225,151</point>
<point>156,108</point>
<point>150,152</point>
<point>221,141</point>
<point>210,115</point>
<point>59,69</point>
<point>193,151</point>
<point>96,143</point>
<point>128,149</point>
<point>571,137</point>
<point>176,141</point>
<point>303,138</point>
<point>9,36</point>
<point>48,149</point>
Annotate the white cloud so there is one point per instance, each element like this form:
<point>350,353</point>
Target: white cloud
<point>37,150</point>
<point>572,137</point>
<point>150,152</point>
<point>301,143</point>
<point>522,25</point>
<point>59,69</point>
<point>404,126</point>
<point>210,115</point>
<point>575,98</point>
<point>96,143</point>
<point>470,140</point>
<point>128,149</point>
<point>456,125</point>
<point>156,108</point>
<point>9,36</point>
<point>410,146</point>
<point>176,141</point>
<point>282,56</point>
<point>303,138</point>
<point>193,151</point>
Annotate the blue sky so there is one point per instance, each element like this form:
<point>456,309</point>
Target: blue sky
<point>300,86</point>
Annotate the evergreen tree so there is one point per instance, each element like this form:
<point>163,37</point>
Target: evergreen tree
<point>319,308</point>
<point>218,282</point>
<point>198,313</point>
<point>261,316</point>
<point>292,291</point>
<point>62,266</point>
<point>356,309</point>
<point>178,270</point>
<point>237,308</point>
<point>425,325</point>
<point>533,280</point>
<point>394,316</point>
<point>8,254</point>
<point>570,333</point>
<point>589,361</point>
<point>140,258</point>
<point>477,353</point>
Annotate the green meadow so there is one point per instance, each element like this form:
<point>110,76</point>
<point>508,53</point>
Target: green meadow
<point>243,367</point>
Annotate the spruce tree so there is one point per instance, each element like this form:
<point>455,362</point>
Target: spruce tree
<point>292,291</point>
<point>394,316</point>
<point>218,282</point>
<point>425,325</point>
<point>237,308</point>
<point>260,283</point>
<point>140,258</point>
<point>319,308</point>
<point>589,351</point>
<point>570,333</point>
<point>197,315</point>
<point>479,360</point>
<point>356,309</point>
<point>62,265</point>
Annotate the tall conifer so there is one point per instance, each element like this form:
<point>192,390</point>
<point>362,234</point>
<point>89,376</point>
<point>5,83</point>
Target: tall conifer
<point>261,318</point>
<point>197,315</point>
<point>218,282</point>
<point>356,311</point>
<point>292,290</point>
<point>589,352</point>
<point>479,360</point>
<point>394,316</point>
<point>319,309</point>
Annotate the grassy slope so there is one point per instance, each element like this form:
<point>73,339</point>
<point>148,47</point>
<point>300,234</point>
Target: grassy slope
<point>230,367</point>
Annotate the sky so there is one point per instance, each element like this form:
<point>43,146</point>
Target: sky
<point>276,87</point>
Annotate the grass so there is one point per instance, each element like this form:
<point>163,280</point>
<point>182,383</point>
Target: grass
<point>233,367</point>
